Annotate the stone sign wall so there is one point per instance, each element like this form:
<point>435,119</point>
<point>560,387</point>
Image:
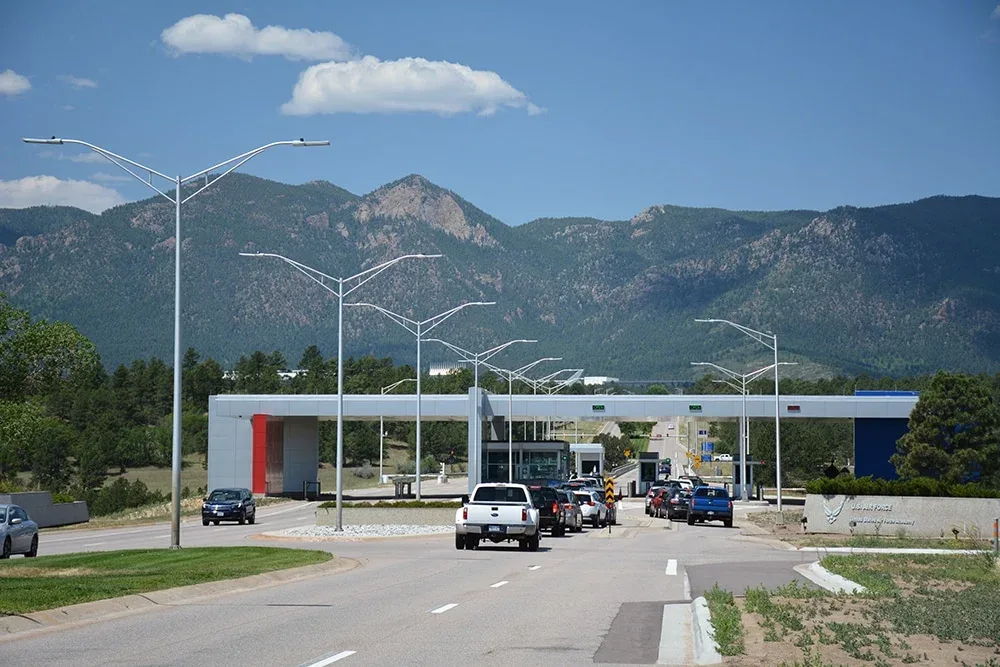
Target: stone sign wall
<point>902,515</point>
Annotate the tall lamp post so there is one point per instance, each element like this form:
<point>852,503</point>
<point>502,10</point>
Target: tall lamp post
<point>342,287</point>
<point>477,359</point>
<point>744,379</point>
<point>177,199</point>
<point>509,375</point>
<point>419,328</point>
<point>381,424</point>
<point>770,341</point>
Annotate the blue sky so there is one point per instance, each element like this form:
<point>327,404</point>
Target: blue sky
<point>526,109</point>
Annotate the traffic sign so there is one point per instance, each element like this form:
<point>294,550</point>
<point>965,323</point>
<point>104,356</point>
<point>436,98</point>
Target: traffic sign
<point>609,491</point>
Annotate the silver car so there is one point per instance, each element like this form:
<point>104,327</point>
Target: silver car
<point>18,533</point>
<point>574,515</point>
<point>594,509</point>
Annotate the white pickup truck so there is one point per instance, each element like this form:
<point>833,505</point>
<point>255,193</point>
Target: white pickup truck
<point>498,513</point>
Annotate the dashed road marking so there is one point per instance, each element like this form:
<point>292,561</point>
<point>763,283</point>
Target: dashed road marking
<point>94,544</point>
<point>534,567</point>
<point>332,659</point>
<point>441,610</point>
<point>687,587</point>
<point>671,567</point>
<point>499,584</point>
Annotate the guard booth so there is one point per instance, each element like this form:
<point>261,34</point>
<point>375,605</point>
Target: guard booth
<point>547,459</point>
<point>649,463</point>
<point>588,458</point>
<point>752,493</point>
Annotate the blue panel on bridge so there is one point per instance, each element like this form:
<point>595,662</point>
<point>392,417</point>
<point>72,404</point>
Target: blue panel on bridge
<point>874,442</point>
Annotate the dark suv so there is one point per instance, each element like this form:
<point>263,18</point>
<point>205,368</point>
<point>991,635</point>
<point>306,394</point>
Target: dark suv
<point>229,505</point>
<point>551,513</point>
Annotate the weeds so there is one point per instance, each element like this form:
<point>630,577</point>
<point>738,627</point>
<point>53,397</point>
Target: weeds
<point>726,620</point>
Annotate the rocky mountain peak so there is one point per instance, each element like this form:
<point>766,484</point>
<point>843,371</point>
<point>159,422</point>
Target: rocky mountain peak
<point>415,199</point>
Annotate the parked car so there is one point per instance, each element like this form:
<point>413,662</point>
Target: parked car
<point>229,505</point>
<point>574,515</point>
<point>593,507</point>
<point>710,503</point>
<point>18,533</point>
<point>674,504</point>
<point>498,513</point>
<point>653,489</point>
<point>551,514</point>
<point>724,457</point>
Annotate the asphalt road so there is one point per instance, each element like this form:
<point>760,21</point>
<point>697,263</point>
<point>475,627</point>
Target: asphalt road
<point>585,598</point>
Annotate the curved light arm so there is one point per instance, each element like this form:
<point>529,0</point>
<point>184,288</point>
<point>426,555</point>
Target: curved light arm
<point>493,351</point>
<point>753,375</point>
<point>741,389</point>
<point>464,354</point>
<point>387,389</point>
<point>441,317</point>
<point>401,320</point>
<point>765,339</point>
<point>732,374</point>
<point>251,153</point>
<point>318,276</point>
<point>114,158</point>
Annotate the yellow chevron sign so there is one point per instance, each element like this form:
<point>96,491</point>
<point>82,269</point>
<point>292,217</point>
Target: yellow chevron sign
<point>609,491</point>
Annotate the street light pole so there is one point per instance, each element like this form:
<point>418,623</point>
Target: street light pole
<point>355,281</point>
<point>769,341</point>
<point>744,379</point>
<point>510,404</point>
<point>381,424</point>
<point>418,329</point>
<point>476,359</point>
<point>123,163</point>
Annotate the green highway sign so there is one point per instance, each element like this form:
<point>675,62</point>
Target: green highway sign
<point>694,408</point>
<point>597,408</point>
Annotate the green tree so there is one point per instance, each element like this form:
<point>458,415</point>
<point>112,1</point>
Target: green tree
<point>49,470</point>
<point>37,356</point>
<point>954,432</point>
<point>20,424</point>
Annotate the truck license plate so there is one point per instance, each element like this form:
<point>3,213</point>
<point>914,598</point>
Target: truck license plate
<point>494,529</point>
<point>219,513</point>
<point>711,512</point>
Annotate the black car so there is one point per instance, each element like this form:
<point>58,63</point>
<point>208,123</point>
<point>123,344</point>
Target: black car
<point>229,505</point>
<point>551,513</point>
<point>676,503</point>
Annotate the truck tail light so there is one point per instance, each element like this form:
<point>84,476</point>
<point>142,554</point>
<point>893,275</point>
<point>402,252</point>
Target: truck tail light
<point>465,514</point>
<point>524,514</point>
<point>730,505</point>
<point>555,508</point>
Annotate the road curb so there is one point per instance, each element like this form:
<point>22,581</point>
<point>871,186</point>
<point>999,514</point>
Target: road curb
<point>34,623</point>
<point>834,583</point>
<point>705,650</point>
<point>890,550</point>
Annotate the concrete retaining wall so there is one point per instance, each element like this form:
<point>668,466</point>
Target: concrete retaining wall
<point>41,509</point>
<point>901,515</point>
<point>387,516</point>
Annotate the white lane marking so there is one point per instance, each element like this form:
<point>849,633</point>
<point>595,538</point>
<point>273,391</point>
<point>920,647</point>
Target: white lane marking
<point>94,544</point>
<point>675,636</point>
<point>287,509</point>
<point>687,587</point>
<point>499,584</point>
<point>441,610</point>
<point>333,658</point>
<point>671,567</point>
<point>534,567</point>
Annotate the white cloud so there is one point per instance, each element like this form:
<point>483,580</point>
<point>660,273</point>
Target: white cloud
<point>235,35</point>
<point>996,13</point>
<point>77,82</point>
<point>68,107</point>
<point>410,84</point>
<point>105,177</point>
<point>12,83</point>
<point>49,190</point>
<point>84,158</point>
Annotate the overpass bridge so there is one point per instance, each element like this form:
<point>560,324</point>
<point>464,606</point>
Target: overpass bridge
<point>251,434</point>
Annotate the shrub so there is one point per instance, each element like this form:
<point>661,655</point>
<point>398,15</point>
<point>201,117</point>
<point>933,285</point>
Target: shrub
<point>918,486</point>
<point>365,472</point>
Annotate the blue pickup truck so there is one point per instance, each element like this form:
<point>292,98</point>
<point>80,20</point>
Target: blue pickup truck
<point>710,503</point>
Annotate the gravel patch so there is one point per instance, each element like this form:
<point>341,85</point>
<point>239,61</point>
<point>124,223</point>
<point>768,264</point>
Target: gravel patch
<point>370,530</point>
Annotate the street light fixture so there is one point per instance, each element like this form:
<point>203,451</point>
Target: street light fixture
<point>230,165</point>
<point>477,359</point>
<point>510,403</point>
<point>355,281</point>
<point>770,341</point>
<point>419,328</point>
<point>381,424</point>
<point>744,379</point>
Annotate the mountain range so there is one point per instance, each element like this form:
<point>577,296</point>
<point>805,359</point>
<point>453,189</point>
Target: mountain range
<point>899,289</point>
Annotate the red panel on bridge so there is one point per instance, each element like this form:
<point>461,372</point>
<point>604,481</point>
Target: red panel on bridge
<point>258,465</point>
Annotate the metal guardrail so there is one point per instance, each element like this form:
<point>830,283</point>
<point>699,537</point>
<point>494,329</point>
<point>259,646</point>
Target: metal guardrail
<point>621,470</point>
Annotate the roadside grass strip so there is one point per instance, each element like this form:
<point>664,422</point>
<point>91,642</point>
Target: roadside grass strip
<point>927,609</point>
<point>727,621</point>
<point>47,582</point>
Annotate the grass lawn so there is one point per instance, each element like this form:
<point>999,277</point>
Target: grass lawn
<point>46,582</point>
<point>929,610</point>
